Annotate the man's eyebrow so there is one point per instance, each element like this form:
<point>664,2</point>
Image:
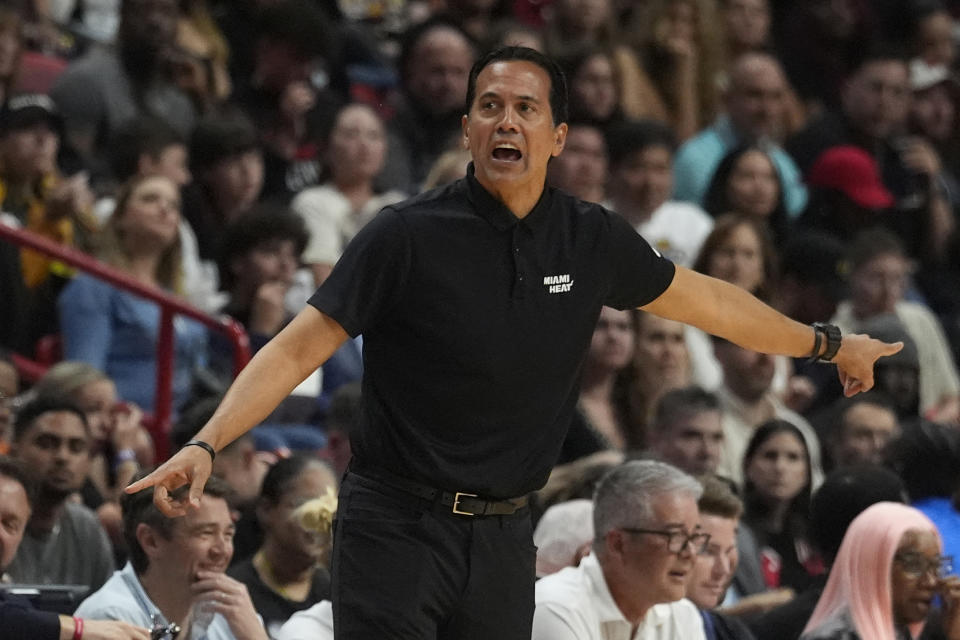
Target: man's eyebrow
<point>493,94</point>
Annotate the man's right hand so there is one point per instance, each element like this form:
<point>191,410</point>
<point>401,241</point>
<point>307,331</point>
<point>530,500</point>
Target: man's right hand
<point>190,465</point>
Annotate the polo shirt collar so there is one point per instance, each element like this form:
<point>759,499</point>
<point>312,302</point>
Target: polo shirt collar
<point>604,604</point>
<point>497,213</point>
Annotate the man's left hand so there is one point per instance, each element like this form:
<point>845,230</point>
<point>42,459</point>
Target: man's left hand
<point>856,358</point>
<point>230,599</point>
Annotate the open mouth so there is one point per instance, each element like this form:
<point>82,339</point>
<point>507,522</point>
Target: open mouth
<point>507,153</point>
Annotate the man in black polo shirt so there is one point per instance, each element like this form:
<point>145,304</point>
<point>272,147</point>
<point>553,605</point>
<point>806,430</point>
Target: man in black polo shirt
<point>477,303</point>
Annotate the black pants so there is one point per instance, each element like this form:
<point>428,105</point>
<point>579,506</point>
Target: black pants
<point>404,568</point>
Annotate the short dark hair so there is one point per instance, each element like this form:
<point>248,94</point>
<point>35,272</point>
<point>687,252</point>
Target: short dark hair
<point>16,471</point>
<point>843,405</point>
<point>138,508</point>
<point>141,135</point>
<point>678,404</point>
<point>878,50</point>
<point>558,84</point>
<point>926,456</point>
<point>29,413</point>
<point>277,481</point>
<point>872,243</point>
<point>263,222</point>
<point>844,494</point>
<point>411,39</point>
<point>221,136</point>
<point>632,136</point>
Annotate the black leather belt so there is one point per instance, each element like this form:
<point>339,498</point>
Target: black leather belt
<point>461,503</point>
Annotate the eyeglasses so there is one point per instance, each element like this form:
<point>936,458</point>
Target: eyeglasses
<point>919,565</point>
<point>677,541</point>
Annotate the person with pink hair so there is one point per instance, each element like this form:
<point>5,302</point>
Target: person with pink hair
<point>884,580</point>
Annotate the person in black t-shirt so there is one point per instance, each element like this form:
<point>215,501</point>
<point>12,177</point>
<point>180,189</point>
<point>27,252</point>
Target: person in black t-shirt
<point>286,574</point>
<point>477,303</point>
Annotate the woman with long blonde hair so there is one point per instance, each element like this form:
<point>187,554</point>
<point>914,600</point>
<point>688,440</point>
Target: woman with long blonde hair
<point>117,332</point>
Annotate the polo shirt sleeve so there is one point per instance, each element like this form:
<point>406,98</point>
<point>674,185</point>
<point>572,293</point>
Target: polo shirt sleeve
<point>552,622</point>
<point>368,280</point>
<point>639,273</point>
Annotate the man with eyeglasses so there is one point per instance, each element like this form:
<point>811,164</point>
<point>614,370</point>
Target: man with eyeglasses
<point>647,536</point>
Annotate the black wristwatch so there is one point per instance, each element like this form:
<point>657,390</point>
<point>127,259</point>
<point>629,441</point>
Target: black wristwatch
<point>832,334</point>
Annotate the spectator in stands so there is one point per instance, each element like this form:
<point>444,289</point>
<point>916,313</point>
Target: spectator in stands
<point>740,251</point>
<point>17,619</point>
<point>594,85</point>
<point>608,372</point>
<point>927,458</point>
<point>755,103</point>
<point>647,537</point>
<point>680,48</point>
<point>64,543</point>
<point>355,149</point>
<point>845,493</point>
<point>581,170</point>
<point>9,389</point>
<point>315,623</point>
<point>11,45</point>
<point>119,445</point>
<point>580,36</point>
<point>686,430</point>
<point>720,511</point>
<point>747,182</point>
<point>873,115</point>
<point>641,182</point>
<point>819,42</point>
<point>885,576</point>
<point>227,165</point>
<point>563,536</point>
<point>747,401</point>
<point>662,363</point>
<point>115,331</point>
<point>148,146</point>
<point>260,255</point>
<point>32,189</point>
<point>200,61</point>
<point>860,430</point>
<point>746,24</point>
<point>295,61</point>
<point>241,465</point>
<point>434,63</point>
<point>931,33</point>
<point>343,417</point>
<point>176,572</point>
<point>898,379</point>
<point>879,280</point>
<point>289,572</point>
<point>108,86</point>
<point>777,488</point>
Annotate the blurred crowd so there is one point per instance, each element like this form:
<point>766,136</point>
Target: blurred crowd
<point>226,151</point>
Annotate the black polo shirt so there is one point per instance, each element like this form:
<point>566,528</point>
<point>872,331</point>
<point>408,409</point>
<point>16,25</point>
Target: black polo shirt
<point>475,325</point>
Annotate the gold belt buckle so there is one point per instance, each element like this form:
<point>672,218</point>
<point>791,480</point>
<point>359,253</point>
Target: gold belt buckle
<point>456,503</point>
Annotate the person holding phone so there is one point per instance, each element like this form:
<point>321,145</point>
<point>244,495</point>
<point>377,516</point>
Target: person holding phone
<point>886,578</point>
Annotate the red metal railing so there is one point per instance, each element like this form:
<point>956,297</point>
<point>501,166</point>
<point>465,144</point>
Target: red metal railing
<point>169,307</point>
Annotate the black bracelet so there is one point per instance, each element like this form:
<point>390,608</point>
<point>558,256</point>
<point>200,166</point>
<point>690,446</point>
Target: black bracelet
<point>203,445</point>
<point>817,342</point>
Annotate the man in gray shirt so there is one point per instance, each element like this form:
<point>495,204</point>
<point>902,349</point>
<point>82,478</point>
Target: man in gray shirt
<point>64,542</point>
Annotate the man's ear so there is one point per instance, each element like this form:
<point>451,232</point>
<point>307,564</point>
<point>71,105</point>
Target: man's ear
<point>465,138</point>
<point>148,539</point>
<point>559,138</point>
